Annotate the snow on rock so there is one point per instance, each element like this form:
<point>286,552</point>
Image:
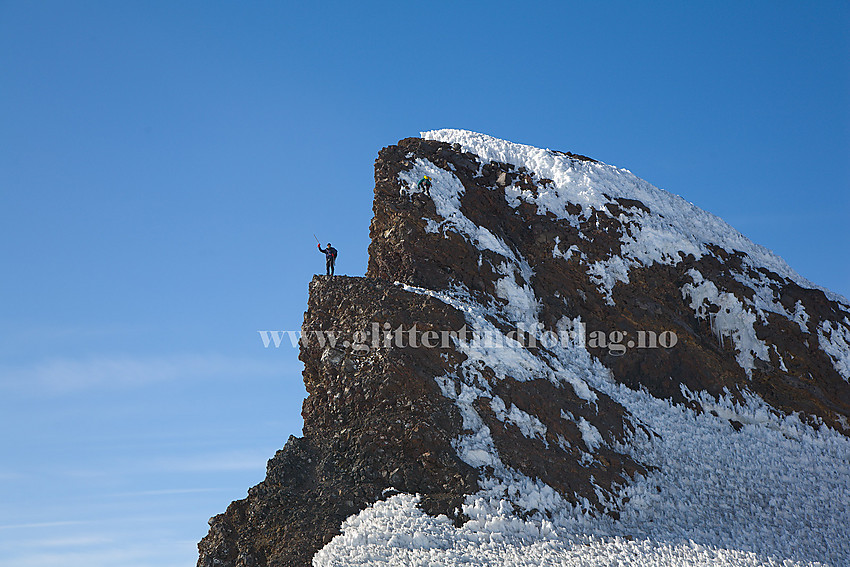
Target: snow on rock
<point>563,453</point>
<point>590,434</point>
<point>835,341</point>
<point>775,493</point>
<point>529,425</point>
<point>396,532</point>
<point>777,488</point>
<point>505,356</point>
<point>773,490</point>
<point>728,319</point>
<point>672,226</point>
<point>607,273</point>
<point>446,192</point>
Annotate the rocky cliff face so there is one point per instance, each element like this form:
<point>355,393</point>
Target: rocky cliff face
<point>508,322</point>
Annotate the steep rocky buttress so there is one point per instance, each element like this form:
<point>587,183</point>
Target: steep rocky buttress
<point>574,280</point>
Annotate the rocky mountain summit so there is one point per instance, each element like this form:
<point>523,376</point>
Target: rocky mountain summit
<point>546,347</point>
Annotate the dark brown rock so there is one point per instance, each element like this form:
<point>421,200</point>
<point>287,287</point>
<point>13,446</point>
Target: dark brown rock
<point>375,419</point>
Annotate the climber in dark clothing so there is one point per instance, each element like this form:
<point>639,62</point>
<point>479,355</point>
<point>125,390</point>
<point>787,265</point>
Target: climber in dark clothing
<point>330,257</point>
<point>425,185</point>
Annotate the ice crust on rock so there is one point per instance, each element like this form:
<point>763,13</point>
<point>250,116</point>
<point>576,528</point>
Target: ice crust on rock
<point>731,320</point>
<point>775,493</point>
<point>835,341</point>
<point>673,228</point>
<point>674,225</point>
<point>396,532</point>
<point>772,491</point>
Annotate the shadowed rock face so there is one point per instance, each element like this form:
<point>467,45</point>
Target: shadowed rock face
<point>378,419</point>
<point>402,249</point>
<point>372,420</point>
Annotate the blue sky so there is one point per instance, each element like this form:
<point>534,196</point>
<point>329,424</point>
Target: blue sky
<point>164,165</point>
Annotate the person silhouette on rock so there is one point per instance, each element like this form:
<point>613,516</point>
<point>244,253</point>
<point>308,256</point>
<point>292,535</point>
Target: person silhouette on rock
<point>330,257</point>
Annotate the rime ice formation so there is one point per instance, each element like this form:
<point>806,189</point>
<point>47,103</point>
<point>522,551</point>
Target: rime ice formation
<point>620,378</point>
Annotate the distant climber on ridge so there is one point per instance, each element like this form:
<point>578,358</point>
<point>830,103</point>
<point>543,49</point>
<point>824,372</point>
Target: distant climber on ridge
<point>330,257</point>
<point>425,185</point>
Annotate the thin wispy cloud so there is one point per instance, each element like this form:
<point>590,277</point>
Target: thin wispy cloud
<point>167,492</point>
<point>66,375</point>
<point>71,541</point>
<point>162,554</point>
<point>101,543</point>
<point>39,525</point>
<point>226,461</point>
<point>10,475</point>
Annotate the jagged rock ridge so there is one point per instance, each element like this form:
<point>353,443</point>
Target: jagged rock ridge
<point>518,242</point>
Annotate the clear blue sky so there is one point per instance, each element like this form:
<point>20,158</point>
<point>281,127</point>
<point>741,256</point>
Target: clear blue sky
<point>164,165</point>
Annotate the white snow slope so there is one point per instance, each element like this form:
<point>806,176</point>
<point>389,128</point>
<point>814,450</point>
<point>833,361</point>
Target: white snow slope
<point>775,493</point>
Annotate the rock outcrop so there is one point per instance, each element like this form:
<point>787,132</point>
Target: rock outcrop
<point>576,273</point>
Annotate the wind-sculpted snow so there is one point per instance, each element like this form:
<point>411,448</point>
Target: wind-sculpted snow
<point>659,229</point>
<point>507,357</point>
<point>731,321</point>
<point>835,340</point>
<point>396,532</point>
<point>775,490</point>
<point>621,379</point>
<point>727,481</point>
<point>672,224</point>
<point>445,194</point>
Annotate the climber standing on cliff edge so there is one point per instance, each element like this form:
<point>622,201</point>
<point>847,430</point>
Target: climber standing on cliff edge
<point>330,255</point>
